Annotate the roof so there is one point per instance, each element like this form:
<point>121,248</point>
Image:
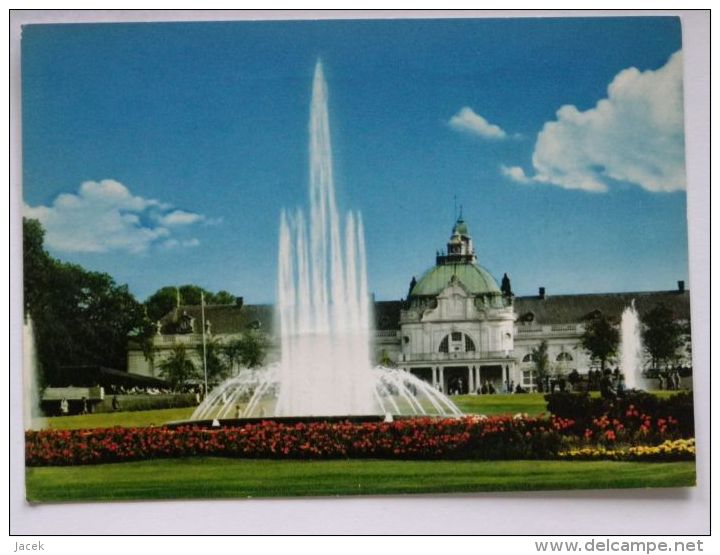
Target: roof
<point>387,315</point>
<point>88,376</point>
<point>565,309</point>
<point>227,319</point>
<point>476,279</point>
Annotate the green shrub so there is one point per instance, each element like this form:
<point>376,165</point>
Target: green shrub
<point>138,402</point>
<point>583,409</point>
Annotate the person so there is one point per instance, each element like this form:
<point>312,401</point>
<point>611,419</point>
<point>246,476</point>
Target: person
<point>676,378</point>
<point>491,389</point>
<point>238,411</point>
<point>64,407</point>
<point>115,403</point>
<point>607,391</point>
<point>620,385</point>
<point>84,406</point>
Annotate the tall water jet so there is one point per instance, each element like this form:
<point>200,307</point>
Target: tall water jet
<point>323,316</point>
<point>322,293</point>
<point>631,349</point>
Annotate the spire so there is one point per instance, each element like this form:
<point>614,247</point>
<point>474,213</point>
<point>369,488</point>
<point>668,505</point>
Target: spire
<point>460,247</point>
<point>506,288</point>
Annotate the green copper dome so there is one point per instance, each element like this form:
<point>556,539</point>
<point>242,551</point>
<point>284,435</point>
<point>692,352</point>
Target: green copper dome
<point>475,279</point>
<point>460,227</point>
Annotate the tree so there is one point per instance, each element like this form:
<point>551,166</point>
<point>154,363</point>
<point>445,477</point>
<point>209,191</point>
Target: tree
<point>161,302</point>
<point>248,351</point>
<point>144,336</point>
<point>385,360</point>
<point>80,317</point>
<point>662,335</point>
<point>167,298</point>
<point>221,297</point>
<point>191,294</point>
<point>539,355</point>
<point>218,367</point>
<point>600,338</point>
<point>36,265</point>
<point>178,368</point>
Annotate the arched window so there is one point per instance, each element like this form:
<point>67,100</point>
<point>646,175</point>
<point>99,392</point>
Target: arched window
<point>445,345</point>
<point>564,357</point>
<point>469,344</point>
<point>529,358</point>
<point>456,342</point>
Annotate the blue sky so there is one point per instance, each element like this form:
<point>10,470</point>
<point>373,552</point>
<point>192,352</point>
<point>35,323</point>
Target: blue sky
<point>164,153</point>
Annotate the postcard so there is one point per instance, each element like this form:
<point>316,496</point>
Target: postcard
<point>354,257</point>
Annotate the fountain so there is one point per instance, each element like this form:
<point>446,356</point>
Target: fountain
<point>631,349</point>
<point>323,317</point>
<point>32,414</point>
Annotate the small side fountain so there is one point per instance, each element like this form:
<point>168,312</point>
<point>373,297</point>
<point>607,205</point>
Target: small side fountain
<point>323,317</point>
<point>32,414</point>
<point>632,357</point>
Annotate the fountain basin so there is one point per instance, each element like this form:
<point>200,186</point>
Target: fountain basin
<point>292,420</point>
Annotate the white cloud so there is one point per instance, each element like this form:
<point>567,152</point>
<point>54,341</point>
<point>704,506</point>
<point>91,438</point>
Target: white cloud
<point>174,243</point>
<point>105,216</point>
<point>180,217</point>
<point>634,135</point>
<point>467,120</point>
<point>516,173</point>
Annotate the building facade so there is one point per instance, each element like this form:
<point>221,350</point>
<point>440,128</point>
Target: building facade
<point>457,329</point>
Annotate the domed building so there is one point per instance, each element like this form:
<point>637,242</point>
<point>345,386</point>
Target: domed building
<point>456,330</point>
<point>460,331</point>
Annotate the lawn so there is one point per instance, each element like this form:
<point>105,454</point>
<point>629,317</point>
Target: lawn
<point>211,477</point>
<point>110,419</point>
<point>531,403</point>
<point>205,477</point>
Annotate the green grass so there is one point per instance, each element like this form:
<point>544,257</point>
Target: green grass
<point>110,419</point>
<point>237,478</point>
<point>531,403</point>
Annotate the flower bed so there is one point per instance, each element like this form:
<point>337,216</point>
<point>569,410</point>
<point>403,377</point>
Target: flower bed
<point>669,450</point>
<point>465,438</point>
<point>634,409</point>
<point>636,436</point>
<point>634,428</point>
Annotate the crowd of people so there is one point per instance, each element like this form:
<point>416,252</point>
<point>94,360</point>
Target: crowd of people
<point>137,390</point>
